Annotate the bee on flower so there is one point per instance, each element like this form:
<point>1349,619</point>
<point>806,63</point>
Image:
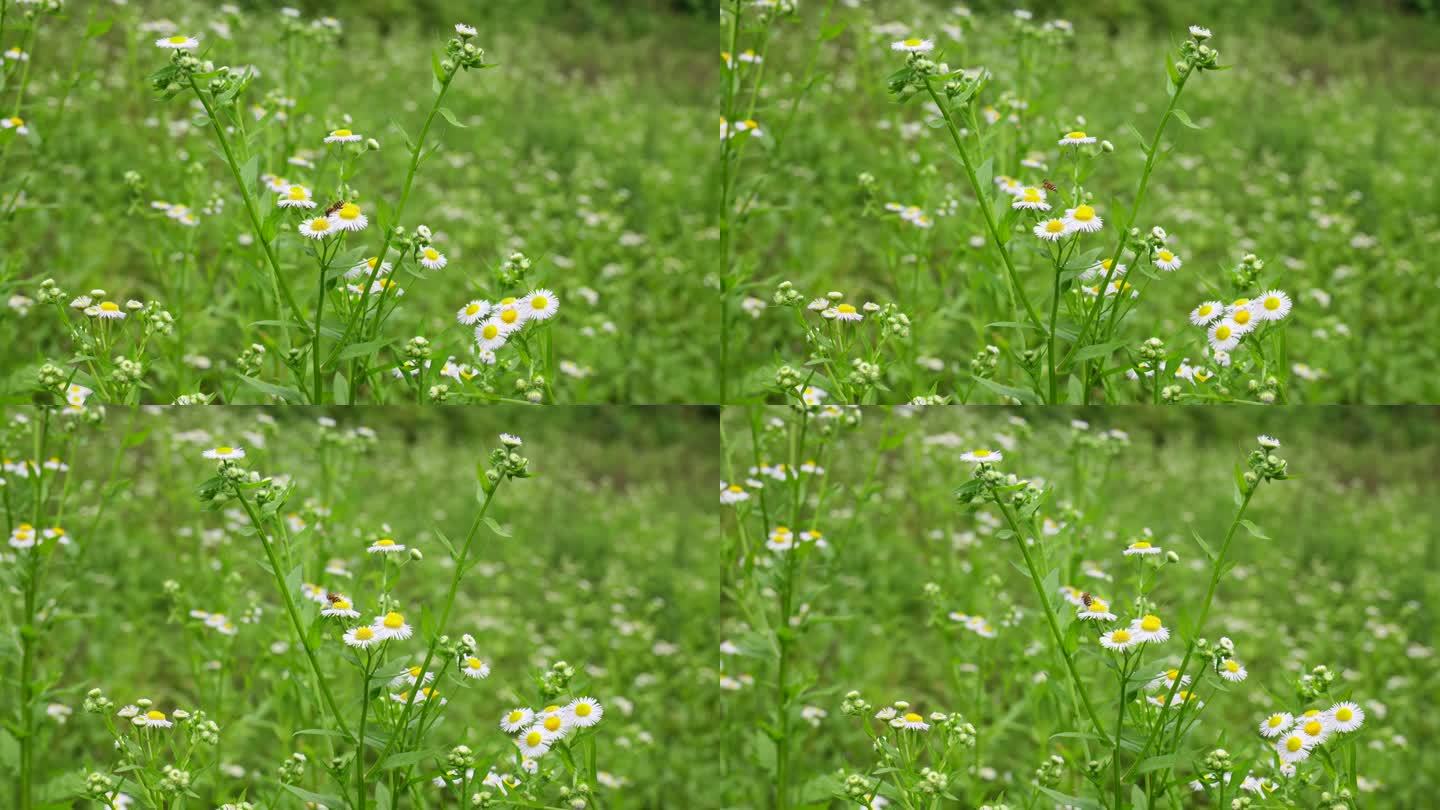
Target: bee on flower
<point>349,218</point>
<point>1032,199</point>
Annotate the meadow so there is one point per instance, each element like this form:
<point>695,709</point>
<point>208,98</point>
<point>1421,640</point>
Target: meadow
<point>1067,607</point>
<point>206,608</point>
<point>378,203</point>
<point>1100,202</point>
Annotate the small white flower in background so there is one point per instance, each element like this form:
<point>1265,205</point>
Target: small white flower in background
<point>982,456</point>
<point>342,136</point>
<point>464,30</point>
<point>432,259</point>
<point>107,310</point>
<point>152,719</point>
<point>1166,260</point>
<point>296,196</point>
<point>731,494</point>
<point>1076,138</point>
<point>16,123</point>
<point>385,545</point>
<point>225,453</point>
<point>913,45</point>
<point>179,42</point>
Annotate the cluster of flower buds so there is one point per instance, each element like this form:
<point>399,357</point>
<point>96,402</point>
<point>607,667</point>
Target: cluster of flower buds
<point>1315,683</point>
<point>854,705</point>
<point>555,681</point>
<point>461,53</point>
<point>1264,464</point>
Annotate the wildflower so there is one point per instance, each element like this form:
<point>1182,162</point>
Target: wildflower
<point>490,335</point>
<point>362,636</point>
<point>781,539</point>
<point>1118,640</point>
<point>385,545</point>
<point>318,228</point>
<point>731,494</point>
<point>1097,610</point>
<point>1224,335</point>
<point>533,744</point>
<point>913,45</point>
<point>1206,312</point>
<point>1268,442</point>
<point>391,626</point>
<point>473,667</point>
<point>22,536</point>
<point>1166,680</point>
<point>1076,138</point>
<point>1315,730</point>
<point>511,440</point>
<point>1292,749</point>
<point>1142,548</point>
<point>1231,670</point>
<point>539,305</point>
<point>844,312</point>
<point>1083,218</point>
<point>297,196</point>
<point>1346,717</point>
<point>472,312</point>
<point>1200,33</point>
<point>1273,305</point>
<point>432,259</point>
<point>152,719</point>
<point>1031,198</point>
<point>179,42</point>
<point>584,711</point>
<point>516,719</point>
<point>912,721</point>
<point>1149,629</point>
<point>1052,230</point>
<point>110,311</point>
<point>982,456</point>
<point>1165,260</point>
<point>16,123</point>
<point>225,453</point>
<point>1243,318</point>
<point>349,218</point>
<point>340,606</point>
<point>342,136</point>
<point>465,31</point>
<point>1276,724</point>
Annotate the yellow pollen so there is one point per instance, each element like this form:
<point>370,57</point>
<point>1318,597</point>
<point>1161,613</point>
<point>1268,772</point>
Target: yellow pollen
<point>982,453</point>
<point>1120,636</point>
<point>155,715</point>
<point>1344,714</point>
<point>1084,213</point>
<point>349,211</point>
<point>178,39</point>
<point>1054,226</point>
<point>1075,134</point>
<point>736,488</point>
<point>846,309</point>
<point>1242,317</point>
<point>297,192</point>
<point>1240,302</point>
<point>1166,256</point>
<point>319,224</point>
<point>534,738</point>
<point>224,450</point>
<point>1205,309</point>
<point>913,42</point>
<point>472,309</point>
<point>394,620</point>
<point>553,723</point>
<point>341,604</point>
<point>584,709</point>
<point>551,708</point>
<point>1272,303</point>
<point>1276,721</point>
<point>1314,727</point>
<point>1172,674</point>
<point>1222,332</point>
<point>912,717</point>
<point>1140,544</point>
<point>509,316</point>
<point>1150,623</point>
<point>364,634</point>
<point>539,302</point>
<point>342,133</point>
<point>414,672</point>
<point>514,717</point>
<point>490,331</point>
<point>504,301</point>
<point>432,254</point>
<point>1032,195</point>
<point>1231,666</point>
<point>1294,744</point>
<point>472,663</point>
<point>384,541</point>
<point>110,306</point>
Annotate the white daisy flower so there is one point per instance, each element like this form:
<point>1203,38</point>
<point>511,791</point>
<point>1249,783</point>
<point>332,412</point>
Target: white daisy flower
<point>913,45</point>
<point>1083,218</point>
<point>1051,230</point>
<point>553,723</point>
<point>539,305</point>
<point>16,123</point>
<point>225,453</point>
<point>1292,749</point>
<point>509,315</point>
<point>982,456</point>
<point>516,719</point>
<point>367,267</point>
<point>318,228</point>
<point>339,606</point>
<point>296,196</point>
<point>391,626</point>
<point>511,440</point>
<point>1313,727</point>
<point>843,312</point>
<point>179,42</point>
<point>1166,260</point>
<point>342,136</point>
<point>464,30</point>
<point>1199,32</point>
<point>912,721</point>
<point>1206,312</point>
<point>731,494</point>
<point>1346,717</point>
<point>532,743</point>
<point>1243,317</point>
<point>1032,199</point>
<point>1273,305</point>
<point>1231,670</point>
<point>349,218</point>
<point>1076,138</point>
<point>584,711</point>
<point>432,259</point>
<point>1276,724</point>
<point>490,335</point>
<point>1097,611</point>
<point>473,667</point>
<point>385,545</point>
<point>1141,548</point>
<point>1118,640</point>
<point>473,312</point>
<point>1224,335</point>
<point>1149,629</point>
<point>152,719</point>
<point>110,311</point>
<point>781,539</point>
<point>1166,680</point>
<point>1268,442</point>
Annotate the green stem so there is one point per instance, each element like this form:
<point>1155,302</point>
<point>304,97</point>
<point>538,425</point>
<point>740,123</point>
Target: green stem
<point>732,73</point>
<point>360,791</point>
<point>982,197</point>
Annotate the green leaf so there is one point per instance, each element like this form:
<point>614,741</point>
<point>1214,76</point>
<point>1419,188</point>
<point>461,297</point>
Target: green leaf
<point>445,541</point>
<point>1185,119</point>
<point>450,116</point>
<point>363,349</point>
<point>985,177</point>
<point>250,172</point>
<point>1205,547</point>
<point>319,798</point>
<point>284,392</point>
<point>1068,800</point>
<point>1255,531</point>
<point>340,389</point>
<point>1157,762</point>
<point>496,527</point>
<point>435,67</point>
<point>1098,350</point>
<point>1020,394</point>
<point>407,758</point>
<point>1140,139</point>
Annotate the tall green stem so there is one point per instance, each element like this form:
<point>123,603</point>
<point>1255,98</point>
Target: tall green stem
<point>731,73</point>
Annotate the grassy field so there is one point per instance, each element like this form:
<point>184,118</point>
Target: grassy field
<point>922,588</point>
<point>165,592</point>
<point>558,156</point>
<point>1306,150</point>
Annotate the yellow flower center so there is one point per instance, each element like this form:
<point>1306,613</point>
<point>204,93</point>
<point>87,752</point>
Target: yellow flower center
<point>1120,636</point>
<point>472,663</point>
<point>178,39</point>
<point>490,331</point>
<point>583,709</point>
<point>1032,195</point>
<point>1240,302</point>
<point>1054,226</point>
<point>846,309</point>
<point>912,717</point>
<point>1140,544</point>
<point>553,723</point>
<point>155,715</point>
<point>1276,721</point>
<point>384,541</point>
<point>539,302</point>
<point>505,301</point>
<point>472,309</point>
<point>1222,332</point>
<point>509,316</point>
<point>349,211</point>
<point>364,634</point>
<point>982,453</point>
<point>1172,674</point>
<point>1231,666</point>
<point>319,224</point>
<point>1166,256</point>
<point>341,604</point>
<point>1344,714</point>
<point>224,450</point>
<point>515,717</point>
<point>110,306</point>
<point>1150,623</point>
<point>1242,317</point>
<point>1294,744</point>
<point>1075,134</point>
<point>394,620</point>
<point>1098,606</point>
<point>1272,302</point>
<point>534,738</point>
<point>342,133</point>
<point>297,192</point>
<point>432,254</point>
<point>551,708</point>
<point>1084,213</point>
<point>913,42</point>
<point>1314,727</point>
<point>1205,309</point>
<point>414,672</point>
<point>736,488</point>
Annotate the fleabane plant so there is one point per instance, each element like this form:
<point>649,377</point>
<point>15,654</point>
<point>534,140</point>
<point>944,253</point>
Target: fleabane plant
<point>1097,263</point>
<point>309,219</point>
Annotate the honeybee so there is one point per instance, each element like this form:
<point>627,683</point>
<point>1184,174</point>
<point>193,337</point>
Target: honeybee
<point>335,206</point>
<point>332,598</point>
<point>1086,598</point>
<point>1049,186</point>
